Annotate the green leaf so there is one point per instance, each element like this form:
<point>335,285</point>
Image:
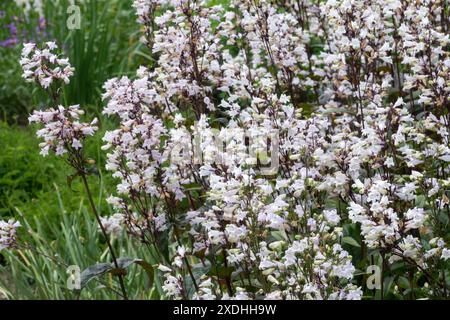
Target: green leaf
<point>221,272</point>
<point>70,180</point>
<point>403,283</point>
<point>192,187</point>
<point>94,271</point>
<point>100,269</point>
<point>350,241</point>
<point>149,269</point>
<point>359,272</point>
<point>126,262</point>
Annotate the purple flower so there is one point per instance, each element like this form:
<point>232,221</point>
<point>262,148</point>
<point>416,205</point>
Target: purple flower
<point>9,42</point>
<point>42,23</point>
<point>12,29</point>
<point>17,37</point>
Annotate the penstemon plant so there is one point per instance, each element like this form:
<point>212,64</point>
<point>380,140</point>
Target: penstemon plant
<point>276,149</point>
<point>63,133</point>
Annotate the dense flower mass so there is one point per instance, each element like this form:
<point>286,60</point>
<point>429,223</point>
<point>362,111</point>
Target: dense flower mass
<point>62,130</point>
<point>357,93</point>
<point>277,149</point>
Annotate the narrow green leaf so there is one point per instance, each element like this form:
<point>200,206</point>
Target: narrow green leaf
<point>350,241</point>
<point>94,272</point>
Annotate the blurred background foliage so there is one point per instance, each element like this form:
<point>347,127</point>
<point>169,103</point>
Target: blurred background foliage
<point>106,45</point>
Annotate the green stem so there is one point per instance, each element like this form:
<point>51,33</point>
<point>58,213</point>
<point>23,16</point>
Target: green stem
<point>97,217</point>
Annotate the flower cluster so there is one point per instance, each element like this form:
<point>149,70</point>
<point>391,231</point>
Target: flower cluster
<point>64,133</point>
<point>44,66</point>
<point>8,234</point>
<point>113,224</point>
<point>62,130</point>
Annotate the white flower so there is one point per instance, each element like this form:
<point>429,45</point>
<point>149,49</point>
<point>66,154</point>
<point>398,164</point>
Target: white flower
<point>445,254</point>
<point>415,217</point>
<point>62,130</point>
<point>113,224</point>
<point>8,234</point>
<point>332,217</point>
<point>44,66</point>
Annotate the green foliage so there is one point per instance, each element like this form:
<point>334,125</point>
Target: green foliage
<point>27,180</point>
<point>99,269</point>
<point>39,271</point>
<point>106,45</point>
<point>14,93</point>
<point>57,223</point>
<point>102,48</point>
<point>23,174</point>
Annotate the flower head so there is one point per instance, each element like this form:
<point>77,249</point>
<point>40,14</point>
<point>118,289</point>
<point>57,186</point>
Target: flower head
<point>45,66</point>
<point>62,130</point>
<point>8,234</point>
